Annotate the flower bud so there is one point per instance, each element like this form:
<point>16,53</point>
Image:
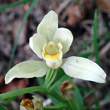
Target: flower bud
<point>26,104</point>
<point>37,103</point>
<point>67,89</point>
<point>34,104</point>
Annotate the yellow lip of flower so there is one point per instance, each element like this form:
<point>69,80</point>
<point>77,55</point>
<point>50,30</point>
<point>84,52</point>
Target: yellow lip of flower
<point>52,52</point>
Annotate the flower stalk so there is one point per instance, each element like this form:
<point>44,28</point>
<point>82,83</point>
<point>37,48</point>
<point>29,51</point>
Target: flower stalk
<point>49,75</point>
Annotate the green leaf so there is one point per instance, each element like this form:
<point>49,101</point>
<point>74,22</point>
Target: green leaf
<point>95,38</point>
<point>2,107</point>
<point>54,101</point>
<point>60,73</point>
<point>60,80</point>
<point>78,96</point>
<point>73,105</point>
<point>84,90</point>
<point>21,91</point>
<point>41,81</point>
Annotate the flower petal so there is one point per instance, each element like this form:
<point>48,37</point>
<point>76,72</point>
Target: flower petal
<point>36,42</point>
<point>48,25</point>
<point>83,68</point>
<point>54,64</point>
<point>26,69</point>
<point>65,37</point>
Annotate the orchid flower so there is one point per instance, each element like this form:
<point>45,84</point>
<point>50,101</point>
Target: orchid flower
<point>50,43</point>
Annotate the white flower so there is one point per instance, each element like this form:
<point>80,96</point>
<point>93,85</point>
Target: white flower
<point>50,43</point>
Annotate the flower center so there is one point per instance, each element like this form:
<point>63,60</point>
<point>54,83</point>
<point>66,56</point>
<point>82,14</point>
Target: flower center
<point>52,52</point>
<point>51,48</point>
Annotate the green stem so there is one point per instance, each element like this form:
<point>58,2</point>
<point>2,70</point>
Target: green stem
<point>57,107</point>
<point>17,37</point>
<point>14,4</point>
<point>49,75</point>
<point>52,79</point>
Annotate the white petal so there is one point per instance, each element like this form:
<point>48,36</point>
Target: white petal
<point>55,64</point>
<point>22,107</point>
<point>48,25</point>
<point>36,42</point>
<point>26,69</point>
<point>83,68</point>
<point>65,37</point>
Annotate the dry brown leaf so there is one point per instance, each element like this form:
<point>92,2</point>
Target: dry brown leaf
<point>103,4</point>
<point>26,7</point>
<point>75,13</point>
<point>22,37</point>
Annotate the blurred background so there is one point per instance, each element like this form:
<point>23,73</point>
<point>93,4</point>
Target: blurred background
<point>76,15</point>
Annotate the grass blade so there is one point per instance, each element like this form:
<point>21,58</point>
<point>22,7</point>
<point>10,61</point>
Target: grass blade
<point>95,39</point>
<point>21,91</point>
